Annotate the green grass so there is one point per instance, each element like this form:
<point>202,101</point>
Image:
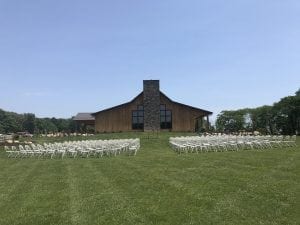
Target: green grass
<point>156,186</point>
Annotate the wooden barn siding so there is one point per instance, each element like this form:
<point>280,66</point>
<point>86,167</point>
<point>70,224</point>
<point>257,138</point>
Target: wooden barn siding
<point>183,118</point>
<point>118,119</point>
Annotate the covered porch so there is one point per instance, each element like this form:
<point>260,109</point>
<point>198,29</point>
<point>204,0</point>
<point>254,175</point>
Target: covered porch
<point>85,122</point>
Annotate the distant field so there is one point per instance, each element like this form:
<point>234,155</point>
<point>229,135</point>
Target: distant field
<point>156,186</point>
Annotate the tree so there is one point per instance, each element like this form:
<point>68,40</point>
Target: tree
<point>262,119</point>
<point>44,126</point>
<point>29,122</point>
<point>72,126</point>
<point>283,117</point>
<point>288,114</point>
<point>48,126</point>
<point>230,121</point>
<point>298,92</point>
<point>10,122</point>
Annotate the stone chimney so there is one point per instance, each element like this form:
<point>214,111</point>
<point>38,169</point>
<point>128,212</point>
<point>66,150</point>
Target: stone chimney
<point>151,105</point>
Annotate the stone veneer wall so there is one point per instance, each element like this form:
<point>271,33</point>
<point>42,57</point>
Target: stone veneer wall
<point>151,105</point>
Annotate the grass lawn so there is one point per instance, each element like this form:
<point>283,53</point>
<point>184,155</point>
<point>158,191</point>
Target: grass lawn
<point>156,186</point>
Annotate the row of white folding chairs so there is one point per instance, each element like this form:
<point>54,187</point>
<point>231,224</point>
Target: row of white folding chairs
<point>237,137</point>
<point>259,141</point>
<point>274,141</point>
<point>228,142</point>
<point>95,148</point>
<point>101,147</point>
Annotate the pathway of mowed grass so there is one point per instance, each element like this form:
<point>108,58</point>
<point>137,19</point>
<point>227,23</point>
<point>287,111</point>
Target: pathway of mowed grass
<point>156,186</point>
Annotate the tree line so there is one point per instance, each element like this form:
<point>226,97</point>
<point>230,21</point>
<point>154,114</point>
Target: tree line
<point>11,122</point>
<point>282,117</point>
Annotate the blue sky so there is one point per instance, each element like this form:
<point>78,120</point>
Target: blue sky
<point>60,57</point>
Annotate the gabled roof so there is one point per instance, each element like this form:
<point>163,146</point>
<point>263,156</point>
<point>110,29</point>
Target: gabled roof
<point>115,107</point>
<point>84,116</point>
<point>192,107</point>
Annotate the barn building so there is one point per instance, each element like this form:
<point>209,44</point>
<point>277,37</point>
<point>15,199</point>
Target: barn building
<point>84,122</point>
<point>151,110</point>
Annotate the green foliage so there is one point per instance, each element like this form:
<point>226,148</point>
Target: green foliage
<point>262,119</point>
<point>230,121</point>
<point>283,117</point>
<point>44,126</point>
<point>12,122</point>
<point>29,122</point>
<point>287,110</point>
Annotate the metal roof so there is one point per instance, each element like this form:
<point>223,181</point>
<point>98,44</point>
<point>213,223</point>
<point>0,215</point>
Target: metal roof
<point>84,116</point>
<point>192,107</point>
<point>114,107</point>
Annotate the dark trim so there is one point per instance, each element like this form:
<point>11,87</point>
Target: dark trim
<point>138,125</point>
<point>165,118</point>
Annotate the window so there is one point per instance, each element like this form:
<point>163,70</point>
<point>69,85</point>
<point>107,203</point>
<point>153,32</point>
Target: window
<point>165,117</point>
<point>138,118</point>
<point>162,107</point>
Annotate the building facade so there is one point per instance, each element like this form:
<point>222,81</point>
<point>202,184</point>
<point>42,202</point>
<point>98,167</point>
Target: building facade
<point>85,122</point>
<point>151,110</point>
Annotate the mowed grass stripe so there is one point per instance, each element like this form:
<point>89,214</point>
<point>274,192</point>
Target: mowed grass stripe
<point>46,202</point>
<point>131,212</point>
<point>11,172</point>
<point>16,192</point>
<point>257,200</point>
<point>159,200</point>
<point>8,165</point>
<point>13,179</point>
<point>101,200</point>
<point>178,198</point>
<point>74,201</point>
<point>43,199</point>
<point>273,189</point>
<point>172,183</point>
<point>240,186</point>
